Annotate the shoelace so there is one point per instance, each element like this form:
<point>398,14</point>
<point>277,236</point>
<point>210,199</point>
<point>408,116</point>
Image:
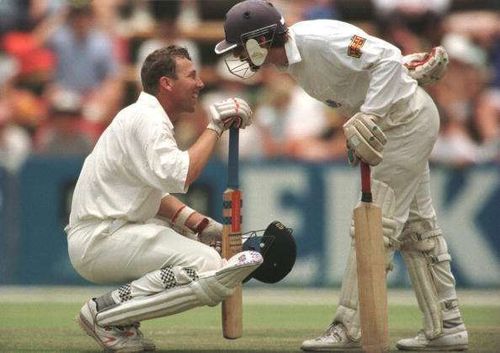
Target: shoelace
<point>333,330</point>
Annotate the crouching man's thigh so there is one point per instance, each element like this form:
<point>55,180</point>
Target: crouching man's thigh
<point>133,250</point>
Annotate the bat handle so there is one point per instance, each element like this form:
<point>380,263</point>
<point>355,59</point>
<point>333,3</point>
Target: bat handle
<point>233,158</point>
<point>366,189</point>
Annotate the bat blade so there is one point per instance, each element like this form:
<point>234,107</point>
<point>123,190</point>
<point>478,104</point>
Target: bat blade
<point>370,263</point>
<point>232,306</point>
<point>372,287</point>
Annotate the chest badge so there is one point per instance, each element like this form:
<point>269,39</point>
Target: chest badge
<point>355,46</point>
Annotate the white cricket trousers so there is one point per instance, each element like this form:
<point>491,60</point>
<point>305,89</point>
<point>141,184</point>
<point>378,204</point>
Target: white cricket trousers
<point>107,252</point>
<point>412,129</point>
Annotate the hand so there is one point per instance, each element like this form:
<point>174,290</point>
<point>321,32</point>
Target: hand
<point>232,112</point>
<point>351,157</point>
<point>365,140</point>
<point>427,68</point>
<point>209,231</point>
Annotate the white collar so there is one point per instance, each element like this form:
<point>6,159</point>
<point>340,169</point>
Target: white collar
<point>151,101</point>
<point>291,49</point>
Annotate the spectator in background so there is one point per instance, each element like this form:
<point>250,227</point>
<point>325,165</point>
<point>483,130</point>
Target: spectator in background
<point>479,32</point>
<point>166,32</point>
<point>35,67</point>
<point>63,133</point>
<point>320,9</point>
<point>15,142</point>
<point>411,25</point>
<point>469,126</point>
<point>86,60</point>
<point>280,121</point>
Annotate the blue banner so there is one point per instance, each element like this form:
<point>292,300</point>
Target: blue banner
<point>315,200</point>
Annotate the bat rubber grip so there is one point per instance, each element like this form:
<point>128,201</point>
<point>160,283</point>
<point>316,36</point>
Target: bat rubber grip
<point>366,189</point>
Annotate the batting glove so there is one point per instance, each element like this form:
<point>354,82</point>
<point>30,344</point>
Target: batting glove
<point>210,233</point>
<point>232,112</point>
<point>365,139</point>
<point>427,68</point>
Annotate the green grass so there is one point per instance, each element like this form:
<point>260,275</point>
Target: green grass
<point>50,327</point>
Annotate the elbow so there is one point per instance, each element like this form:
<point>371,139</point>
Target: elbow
<point>192,175</point>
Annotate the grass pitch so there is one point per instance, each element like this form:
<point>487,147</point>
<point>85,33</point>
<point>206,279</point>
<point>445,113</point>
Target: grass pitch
<point>42,320</point>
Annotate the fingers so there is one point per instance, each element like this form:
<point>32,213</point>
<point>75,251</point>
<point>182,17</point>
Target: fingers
<point>232,112</point>
<point>235,112</point>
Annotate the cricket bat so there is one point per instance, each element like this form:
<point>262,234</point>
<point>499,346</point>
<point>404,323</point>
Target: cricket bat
<point>232,311</point>
<point>370,261</point>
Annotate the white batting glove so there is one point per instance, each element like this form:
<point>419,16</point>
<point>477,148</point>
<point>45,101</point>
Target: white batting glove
<point>232,112</point>
<point>210,233</point>
<point>365,139</point>
<point>427,68</point>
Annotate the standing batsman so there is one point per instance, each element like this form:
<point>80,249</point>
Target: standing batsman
<point>113,233</point>
<point>393,126</point>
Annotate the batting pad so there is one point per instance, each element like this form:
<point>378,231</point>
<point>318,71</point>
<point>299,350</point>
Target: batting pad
<point>209,289</point>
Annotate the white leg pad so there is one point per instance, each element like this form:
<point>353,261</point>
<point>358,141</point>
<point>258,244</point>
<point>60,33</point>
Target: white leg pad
<point>347,311</point>
<point>426,255</point>
<point>209,289</point>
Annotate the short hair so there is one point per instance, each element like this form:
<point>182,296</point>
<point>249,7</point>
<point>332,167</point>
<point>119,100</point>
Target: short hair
<point>161,63</point>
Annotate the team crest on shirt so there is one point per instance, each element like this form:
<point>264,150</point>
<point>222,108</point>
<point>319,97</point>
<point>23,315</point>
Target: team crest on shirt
<point>332,103</point>
<point>355,46</point>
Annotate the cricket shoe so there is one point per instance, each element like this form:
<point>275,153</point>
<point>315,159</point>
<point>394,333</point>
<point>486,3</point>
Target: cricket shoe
<point>149,345</point>
<point>333,339</point>
<point>456,341</point>
<point>120,339</point>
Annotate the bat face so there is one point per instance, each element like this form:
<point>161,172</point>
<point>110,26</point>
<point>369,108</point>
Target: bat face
<point>370,263</point>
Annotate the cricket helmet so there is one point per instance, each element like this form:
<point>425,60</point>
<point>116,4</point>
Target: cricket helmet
<point>277,247</point>
<point>252,25</point>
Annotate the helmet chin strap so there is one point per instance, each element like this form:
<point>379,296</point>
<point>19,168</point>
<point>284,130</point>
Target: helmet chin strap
<point>256,53</point>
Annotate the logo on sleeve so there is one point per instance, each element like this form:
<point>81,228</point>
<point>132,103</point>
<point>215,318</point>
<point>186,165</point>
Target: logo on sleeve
<point>354,49</point>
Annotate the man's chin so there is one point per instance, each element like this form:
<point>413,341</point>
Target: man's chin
<point>190,109</point>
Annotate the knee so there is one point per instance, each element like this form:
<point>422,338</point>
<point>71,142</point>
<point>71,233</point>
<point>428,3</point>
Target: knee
<point>423,236</point>
<point>208,260</point>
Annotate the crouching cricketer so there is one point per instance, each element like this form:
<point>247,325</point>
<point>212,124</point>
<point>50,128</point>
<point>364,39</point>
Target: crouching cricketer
<point>125,184</point>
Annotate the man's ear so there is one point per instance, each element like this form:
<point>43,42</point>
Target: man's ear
<point>166,83</point>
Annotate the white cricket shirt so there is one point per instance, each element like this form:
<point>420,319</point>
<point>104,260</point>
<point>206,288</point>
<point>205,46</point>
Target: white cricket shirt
<point>135,163</point>
<point>344,67</point>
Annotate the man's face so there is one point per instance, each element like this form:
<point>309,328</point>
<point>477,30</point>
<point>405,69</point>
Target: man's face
<point>186,87</point>
<point>239,63</point>
<point>242,55</point>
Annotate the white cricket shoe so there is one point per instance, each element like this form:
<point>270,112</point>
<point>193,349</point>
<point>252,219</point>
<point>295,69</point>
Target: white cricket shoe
<point>333,339</point>
<point>122,339</point>
<point>457,341</point>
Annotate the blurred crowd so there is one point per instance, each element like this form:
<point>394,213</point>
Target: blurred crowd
<point>67,67</point>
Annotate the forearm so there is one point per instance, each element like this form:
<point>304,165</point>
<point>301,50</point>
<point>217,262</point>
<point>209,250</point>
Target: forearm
<point>171,206</point>
<point>199,154</point>
<point>190,223</point>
